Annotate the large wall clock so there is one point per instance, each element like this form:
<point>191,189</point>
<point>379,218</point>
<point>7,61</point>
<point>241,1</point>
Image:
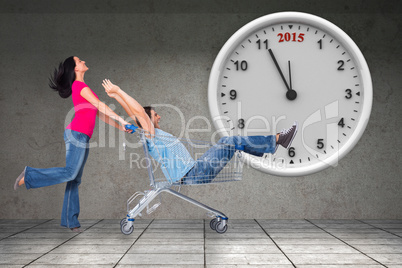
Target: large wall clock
<point>287,67</point>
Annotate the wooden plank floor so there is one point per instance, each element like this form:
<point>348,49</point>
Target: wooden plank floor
<point>191,243</point>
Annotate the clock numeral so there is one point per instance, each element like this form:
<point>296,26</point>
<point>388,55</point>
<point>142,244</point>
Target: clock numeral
<point>292,152</point>
<point>241,66</point>
<point>265,42</point>
<point>341,63</point>
<point>320,42</point>
<point>348,93</point>
<point>341,123</point>
<point>233,94</point>
<point>320,143</point>
<point>241,123</point>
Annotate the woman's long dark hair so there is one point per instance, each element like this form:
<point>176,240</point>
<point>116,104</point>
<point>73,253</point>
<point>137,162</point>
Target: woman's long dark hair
<point>63,78</point>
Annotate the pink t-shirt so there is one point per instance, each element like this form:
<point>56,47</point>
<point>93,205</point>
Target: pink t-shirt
<point>85,112</point>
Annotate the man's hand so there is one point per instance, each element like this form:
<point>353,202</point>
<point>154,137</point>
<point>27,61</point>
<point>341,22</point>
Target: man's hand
<point>112,95</point>
<point>110,88</point>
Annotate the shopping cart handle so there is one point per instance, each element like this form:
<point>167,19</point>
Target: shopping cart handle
<point>132,127</point>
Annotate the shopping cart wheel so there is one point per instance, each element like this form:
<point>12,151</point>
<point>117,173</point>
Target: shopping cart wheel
<point>220,228</point>
<point>213,223</point>
<point>125,230</point>
<point>124,220</point>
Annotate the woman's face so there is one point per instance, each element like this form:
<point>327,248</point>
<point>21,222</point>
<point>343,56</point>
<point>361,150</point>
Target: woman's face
<point>80,65</point>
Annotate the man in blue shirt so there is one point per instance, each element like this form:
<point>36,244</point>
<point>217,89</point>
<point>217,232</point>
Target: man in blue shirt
<point>177,163</point>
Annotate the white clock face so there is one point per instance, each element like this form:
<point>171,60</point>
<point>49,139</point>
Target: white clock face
<point>291,67</point>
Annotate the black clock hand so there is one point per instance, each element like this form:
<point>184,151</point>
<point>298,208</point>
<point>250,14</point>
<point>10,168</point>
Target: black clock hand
<point>279,68</point>
<point>290,94</point>
<point>290,76</point>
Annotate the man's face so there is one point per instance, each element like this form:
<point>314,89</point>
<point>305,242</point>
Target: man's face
<point>155,118</point>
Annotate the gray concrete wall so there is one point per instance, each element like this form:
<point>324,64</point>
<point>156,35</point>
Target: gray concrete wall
<point>161,52</point>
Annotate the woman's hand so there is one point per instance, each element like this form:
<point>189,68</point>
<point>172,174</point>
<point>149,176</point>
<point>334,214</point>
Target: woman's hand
<point>124,127</point>
<point>110,88</point>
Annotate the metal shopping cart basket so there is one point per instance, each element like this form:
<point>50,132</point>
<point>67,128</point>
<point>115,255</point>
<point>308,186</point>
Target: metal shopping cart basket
<point>225,166</point>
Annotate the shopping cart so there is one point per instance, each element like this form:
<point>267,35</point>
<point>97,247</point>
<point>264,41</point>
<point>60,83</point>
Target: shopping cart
<point>162,180</point>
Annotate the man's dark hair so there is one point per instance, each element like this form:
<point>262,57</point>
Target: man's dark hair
<point>148,110</point>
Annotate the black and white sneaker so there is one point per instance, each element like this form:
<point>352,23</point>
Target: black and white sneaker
<point>286,137</point>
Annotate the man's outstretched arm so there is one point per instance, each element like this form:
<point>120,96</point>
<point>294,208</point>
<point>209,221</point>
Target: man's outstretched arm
<point>130,105</point>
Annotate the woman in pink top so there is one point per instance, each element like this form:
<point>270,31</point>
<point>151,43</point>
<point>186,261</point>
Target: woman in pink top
<point>68,80</point>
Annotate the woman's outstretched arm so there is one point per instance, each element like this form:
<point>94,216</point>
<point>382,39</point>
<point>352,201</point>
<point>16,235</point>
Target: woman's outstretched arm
<point>110,121</point>
<point>132,107</point>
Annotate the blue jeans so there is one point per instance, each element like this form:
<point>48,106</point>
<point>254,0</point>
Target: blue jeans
<point>77,151</point>
<point>214,160</point>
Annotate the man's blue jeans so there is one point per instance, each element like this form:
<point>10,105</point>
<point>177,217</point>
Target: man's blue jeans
<point>214,160</point>
<point>77,150</point>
